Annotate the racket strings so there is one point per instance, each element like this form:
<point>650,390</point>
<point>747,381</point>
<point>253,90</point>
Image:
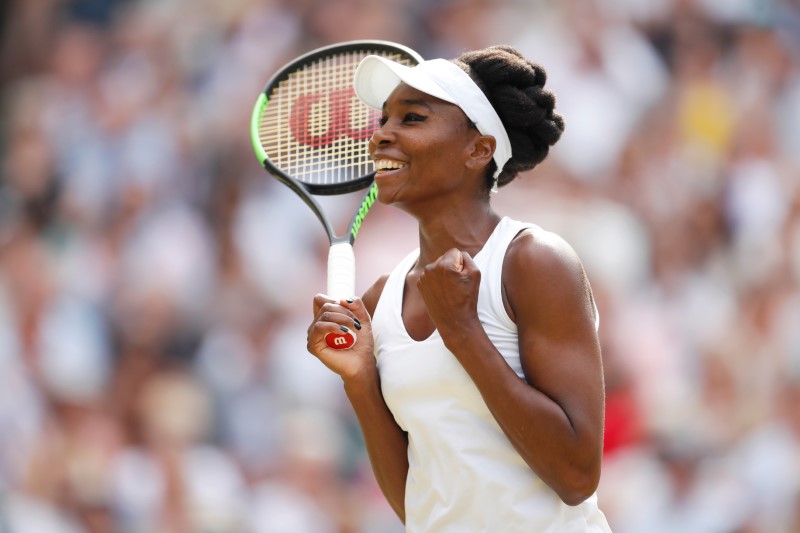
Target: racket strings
<point>314,128</point>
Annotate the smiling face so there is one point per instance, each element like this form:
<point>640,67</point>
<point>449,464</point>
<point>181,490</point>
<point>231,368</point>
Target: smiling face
<point>426,148</point>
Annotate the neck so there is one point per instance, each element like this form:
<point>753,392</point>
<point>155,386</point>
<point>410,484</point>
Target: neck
<point>465,227</point>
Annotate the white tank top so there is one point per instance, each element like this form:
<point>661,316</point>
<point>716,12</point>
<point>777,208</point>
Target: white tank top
<point>464,475</point>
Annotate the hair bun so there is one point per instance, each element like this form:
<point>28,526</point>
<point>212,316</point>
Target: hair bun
<point>515,87</point>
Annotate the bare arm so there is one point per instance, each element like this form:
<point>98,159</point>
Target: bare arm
<point>386,442</point>
<point>555,417</point>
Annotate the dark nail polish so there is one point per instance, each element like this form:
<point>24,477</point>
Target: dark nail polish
<point>349,300</point>
<point>344,328</point>
<point>356,323</point>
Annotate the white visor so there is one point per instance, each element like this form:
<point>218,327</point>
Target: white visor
<point>376,77</point>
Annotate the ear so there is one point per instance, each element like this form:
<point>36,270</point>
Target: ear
<point>481,151</point>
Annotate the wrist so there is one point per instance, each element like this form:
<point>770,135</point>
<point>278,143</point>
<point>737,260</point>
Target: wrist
<point>464,337</point>
<point>360,381</point>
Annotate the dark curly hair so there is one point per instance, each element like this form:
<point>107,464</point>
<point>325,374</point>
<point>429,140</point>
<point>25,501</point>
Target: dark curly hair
<point>514,86</point>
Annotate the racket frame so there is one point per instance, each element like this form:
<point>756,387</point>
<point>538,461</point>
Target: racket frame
<point>341,259</point>
<point>307,191</point>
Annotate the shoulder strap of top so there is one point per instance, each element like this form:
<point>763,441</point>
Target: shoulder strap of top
<point>393,288</point>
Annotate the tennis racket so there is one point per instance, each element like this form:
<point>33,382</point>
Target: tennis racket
<point>310,131</point>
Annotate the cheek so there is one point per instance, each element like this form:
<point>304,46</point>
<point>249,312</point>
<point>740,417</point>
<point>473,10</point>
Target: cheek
<point>443,152</point>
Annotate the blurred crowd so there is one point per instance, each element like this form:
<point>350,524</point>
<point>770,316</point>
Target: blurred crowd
<point>156,285</point>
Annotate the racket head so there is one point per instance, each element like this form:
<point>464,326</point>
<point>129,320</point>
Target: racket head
<point>308,127</point>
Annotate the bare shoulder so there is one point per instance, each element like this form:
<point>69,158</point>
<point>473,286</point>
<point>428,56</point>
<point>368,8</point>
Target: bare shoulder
<point>373,294</point>
<point>542,269</point>
<point>536,248</point>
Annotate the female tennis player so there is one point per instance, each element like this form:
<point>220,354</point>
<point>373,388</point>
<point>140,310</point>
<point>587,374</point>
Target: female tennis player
<point>477,377</point>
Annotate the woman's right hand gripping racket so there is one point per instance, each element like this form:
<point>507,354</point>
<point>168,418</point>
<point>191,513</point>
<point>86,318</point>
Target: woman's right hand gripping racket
<point>311,132</point>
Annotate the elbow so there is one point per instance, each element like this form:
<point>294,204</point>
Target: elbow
<point>400,511</point>
<point>575,497</point>
<point>579,485</point>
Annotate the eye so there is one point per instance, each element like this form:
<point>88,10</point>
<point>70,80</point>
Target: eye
<point>408,117</point>
<point>413,117</point>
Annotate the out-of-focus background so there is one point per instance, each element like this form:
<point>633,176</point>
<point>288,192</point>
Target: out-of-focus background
<point>155,285</point>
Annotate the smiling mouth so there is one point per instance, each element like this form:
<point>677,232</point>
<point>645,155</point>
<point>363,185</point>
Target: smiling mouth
<point>383,165</point>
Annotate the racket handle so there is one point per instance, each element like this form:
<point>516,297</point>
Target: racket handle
<point>341,285</point>
<point>341,271</point>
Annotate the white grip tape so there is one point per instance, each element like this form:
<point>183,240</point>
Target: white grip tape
<point>341,271</point>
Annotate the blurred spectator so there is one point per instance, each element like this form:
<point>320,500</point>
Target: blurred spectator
<point>153,374</point>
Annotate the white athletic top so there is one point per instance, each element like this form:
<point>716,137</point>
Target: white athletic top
<point>464,475</point>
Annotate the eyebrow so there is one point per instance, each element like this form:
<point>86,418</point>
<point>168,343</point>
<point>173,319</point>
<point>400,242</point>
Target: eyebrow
<point>413,102</point>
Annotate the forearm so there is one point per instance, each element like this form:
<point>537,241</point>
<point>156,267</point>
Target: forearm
<point>559,448</point>
<point>386,442</point>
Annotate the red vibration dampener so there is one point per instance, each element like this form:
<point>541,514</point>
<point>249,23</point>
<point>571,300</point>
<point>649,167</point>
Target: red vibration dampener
<point>340,341</point>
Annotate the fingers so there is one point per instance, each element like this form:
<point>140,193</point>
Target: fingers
<point>452,260</point>
<point>341,335</point>
<point>335,317</point>
<point>467,263</point>
<point>320,300</point>
<point>456,260</point>
<point>356,306</point>
<point>318,332</point>
<point>450,282</point>
<point>350,312</point>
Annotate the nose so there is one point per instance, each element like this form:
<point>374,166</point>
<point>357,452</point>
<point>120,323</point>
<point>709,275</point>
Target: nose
<point>382,135</point>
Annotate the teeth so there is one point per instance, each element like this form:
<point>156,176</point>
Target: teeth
<point>386,164</point>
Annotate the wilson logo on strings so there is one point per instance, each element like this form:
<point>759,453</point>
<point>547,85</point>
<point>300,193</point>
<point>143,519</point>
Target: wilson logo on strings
<point>306,119</point>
